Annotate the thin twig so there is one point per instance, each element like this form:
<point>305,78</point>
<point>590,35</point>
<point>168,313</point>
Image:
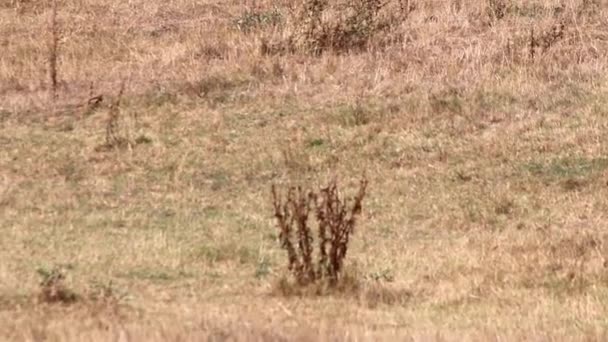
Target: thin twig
<point>53,53</point>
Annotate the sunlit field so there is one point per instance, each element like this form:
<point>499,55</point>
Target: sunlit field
<point>139,141</point>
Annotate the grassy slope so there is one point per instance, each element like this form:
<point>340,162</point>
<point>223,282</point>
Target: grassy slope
<point>488,174</point>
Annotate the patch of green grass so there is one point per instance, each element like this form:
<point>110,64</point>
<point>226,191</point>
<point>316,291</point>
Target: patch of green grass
<point>449,100</point>
<point>316,142</point>
<point>218,253</point>
<point>217,89</point>
<point>106,290</point>
<point>529,10</point>
<point>4,115</point>
<point>600,105</point>
<point>73,170</point>
<point>211,212</point>
<point>494,100</point>
<point>263,268</point>
<point>153,98</point>
<point>355,115</point>
<point>567,167</point>
<point>369,110</point>
<point>384,275</point>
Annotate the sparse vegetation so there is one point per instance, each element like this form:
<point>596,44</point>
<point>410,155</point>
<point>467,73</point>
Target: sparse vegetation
<point>106,292</point>
<point>348,26</point>
<point>252,19</point>
<point>481,127</point>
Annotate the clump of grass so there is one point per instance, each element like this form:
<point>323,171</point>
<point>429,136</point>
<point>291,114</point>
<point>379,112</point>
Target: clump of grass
<point>335,222</point>
<point>20,6</point>
<point>588,7</point>
<point>213,254</point>
<point>447,101</point>
<point>357,115</point>
<point>252,19</point>
<point>113,137</point>
<point>53,288</point>
<point>406,7</point>
<point>106,291</point>
<point>296,159</point>
<point>216,89</point>
<point>349,285</point>
<point>497,9</point>
<point>377,294</point>
<point>341,28</point>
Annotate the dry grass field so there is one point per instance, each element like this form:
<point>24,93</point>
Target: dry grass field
<point>139,141</point>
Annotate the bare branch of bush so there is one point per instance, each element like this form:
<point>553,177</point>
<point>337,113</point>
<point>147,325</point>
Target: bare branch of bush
<point>335,222</point>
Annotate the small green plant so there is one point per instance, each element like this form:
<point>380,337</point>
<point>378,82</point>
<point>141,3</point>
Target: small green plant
<point>335,222</point>
<point>53,288</point>
<point>316,142</point>
<point>263,268</point>
<point>385,275</point>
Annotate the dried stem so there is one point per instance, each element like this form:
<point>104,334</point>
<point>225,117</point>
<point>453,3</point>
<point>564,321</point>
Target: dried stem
<point>336,221</point>
<point>53,52</point>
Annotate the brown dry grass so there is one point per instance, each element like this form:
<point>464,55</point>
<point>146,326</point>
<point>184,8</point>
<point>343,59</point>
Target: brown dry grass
<point>481,128</point>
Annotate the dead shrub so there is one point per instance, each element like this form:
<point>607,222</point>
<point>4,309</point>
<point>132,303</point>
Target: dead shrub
<point>320,26</point>
<point>335,222</point>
